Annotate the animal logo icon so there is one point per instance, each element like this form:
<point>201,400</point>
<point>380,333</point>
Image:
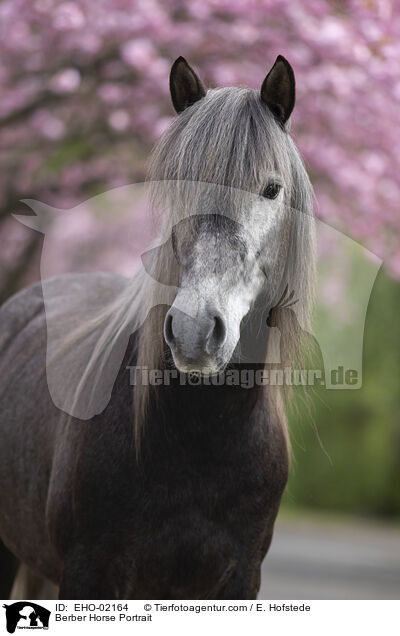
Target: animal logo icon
<point>25,614</point>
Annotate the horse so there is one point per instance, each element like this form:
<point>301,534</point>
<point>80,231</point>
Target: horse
<point>172,489</point>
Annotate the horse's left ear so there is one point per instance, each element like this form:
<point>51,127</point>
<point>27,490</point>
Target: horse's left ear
<point>186,88</point>
<point>278,89</point>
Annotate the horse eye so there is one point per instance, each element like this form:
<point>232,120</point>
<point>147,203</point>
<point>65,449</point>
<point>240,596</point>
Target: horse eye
<point>272,190</point>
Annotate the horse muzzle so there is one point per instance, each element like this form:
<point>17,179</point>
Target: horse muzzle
<point>197,343</point>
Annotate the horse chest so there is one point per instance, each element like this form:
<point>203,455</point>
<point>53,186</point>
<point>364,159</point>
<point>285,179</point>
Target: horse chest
<point>192,517</point>
<point>195,536</point>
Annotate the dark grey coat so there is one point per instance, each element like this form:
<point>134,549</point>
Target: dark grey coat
<point>193,519</point>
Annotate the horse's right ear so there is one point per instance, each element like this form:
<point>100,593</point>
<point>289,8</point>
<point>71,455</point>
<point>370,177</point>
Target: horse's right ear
<point>186,88</point>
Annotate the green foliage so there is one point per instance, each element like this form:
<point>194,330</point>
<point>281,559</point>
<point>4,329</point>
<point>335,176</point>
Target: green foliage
<point>355,465</point>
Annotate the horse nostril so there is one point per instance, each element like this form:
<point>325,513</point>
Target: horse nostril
<point>217,334</point>
<point>219,329</point>
<point>168,333</point>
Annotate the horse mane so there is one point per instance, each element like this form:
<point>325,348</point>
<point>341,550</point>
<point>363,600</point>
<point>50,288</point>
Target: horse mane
<point>220,149</point>
<point>225,145</point>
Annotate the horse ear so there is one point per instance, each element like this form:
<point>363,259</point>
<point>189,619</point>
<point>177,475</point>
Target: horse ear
<point>278,89</point>
<point>186,88</point>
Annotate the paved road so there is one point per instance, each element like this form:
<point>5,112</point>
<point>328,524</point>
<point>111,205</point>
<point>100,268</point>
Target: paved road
<point>319,559</point>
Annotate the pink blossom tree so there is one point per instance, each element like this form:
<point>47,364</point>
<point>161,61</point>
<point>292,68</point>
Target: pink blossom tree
<point>84,93</point>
